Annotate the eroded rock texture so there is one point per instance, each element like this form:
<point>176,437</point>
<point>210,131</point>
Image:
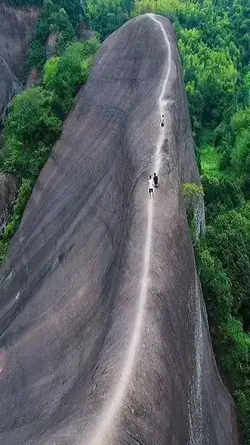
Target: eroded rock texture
<point>104,335</point>
<point>16,29</point>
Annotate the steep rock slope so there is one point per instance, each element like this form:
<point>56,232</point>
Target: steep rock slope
<point>104,336</point>
<point>16,30</point>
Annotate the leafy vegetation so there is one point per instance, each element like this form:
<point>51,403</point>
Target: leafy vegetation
<point>53,20</point>
<point>15,219</point>
<point>215,47</point>
<point>223,261</point>
<point>192,191</point>
<point>63,76</point>
<point>73,8</point>
<point>35,122</point>
<point>193,197</point>
<point>29,133</point>
<point>36,116</point>
<point>105,16</point>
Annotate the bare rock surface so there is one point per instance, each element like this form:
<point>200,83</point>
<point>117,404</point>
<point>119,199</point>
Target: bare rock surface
<point>84,32</point>
<point>51,45</point>
<point>104,334</point>
<point>8,190</point>
<point>17,27</point>
<point>33,78</point>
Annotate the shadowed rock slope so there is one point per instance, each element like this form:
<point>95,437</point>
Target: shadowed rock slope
<point>8,191</point>
<point>104,335</point>
<point>16,31</point>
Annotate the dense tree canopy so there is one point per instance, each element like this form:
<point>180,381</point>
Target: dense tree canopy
<point>30,130</point>
<point>64,75</point>
<point>105,16</point>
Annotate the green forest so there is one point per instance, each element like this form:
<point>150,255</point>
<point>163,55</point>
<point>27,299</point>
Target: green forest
<point>214,43</point>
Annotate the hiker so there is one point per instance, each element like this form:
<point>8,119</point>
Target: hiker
<point>155,178</point>
<point>162,122</point>
<point>150,186</point>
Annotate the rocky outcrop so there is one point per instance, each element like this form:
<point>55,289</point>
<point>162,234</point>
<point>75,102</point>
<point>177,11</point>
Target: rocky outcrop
<point>17,27</point>
<point>51,45</point>
<point>8,191</point>
<point>33,78</point>
<point>104,334</point>
<point>84,32</point>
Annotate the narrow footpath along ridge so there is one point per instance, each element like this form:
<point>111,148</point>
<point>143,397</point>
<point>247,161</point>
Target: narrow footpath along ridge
<point>111,410</point>
<point>104,335</point>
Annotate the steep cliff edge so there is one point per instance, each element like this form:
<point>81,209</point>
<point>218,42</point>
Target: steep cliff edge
<point>104,336</point>
<point>16,31</point>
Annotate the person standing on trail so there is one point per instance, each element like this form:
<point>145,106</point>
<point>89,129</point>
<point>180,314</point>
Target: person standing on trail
<point>162,122</point>
<point>150,186</point>
<point>155,178</point>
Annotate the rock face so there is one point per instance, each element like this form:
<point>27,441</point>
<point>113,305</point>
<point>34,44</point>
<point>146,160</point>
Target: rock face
<point>33,78</point>
<point>104,334</point>
<point>84,32</point>
<point>8,190</point>
<point>51,45</point>
<point>16,31</point>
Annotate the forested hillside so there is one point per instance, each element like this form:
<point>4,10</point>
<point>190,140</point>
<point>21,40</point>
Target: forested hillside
<point>214,43</point>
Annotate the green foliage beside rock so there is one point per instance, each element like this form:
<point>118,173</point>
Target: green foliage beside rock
<point>15,219</point>
<point>105,16</point>
<point>64,75</point>
<point>223,261</point>
<point>192,191</point>
<point>35,122</point>
<point>30,130</point>
<point>53,20</point>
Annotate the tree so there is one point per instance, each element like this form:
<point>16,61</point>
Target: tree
<point>64,75</point>
<point>105,16</point>
<point>29,133</point>
<point>240,153</point>
<point>221,195</point>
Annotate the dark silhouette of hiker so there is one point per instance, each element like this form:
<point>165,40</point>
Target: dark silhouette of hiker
<point>155,180</point>
<point>162,123</point>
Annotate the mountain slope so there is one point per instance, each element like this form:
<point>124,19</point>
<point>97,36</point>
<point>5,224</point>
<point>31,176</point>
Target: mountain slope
<point>104,337</point>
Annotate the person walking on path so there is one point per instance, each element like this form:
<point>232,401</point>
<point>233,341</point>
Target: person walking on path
<point>155,178</point>
<point>150,186</point>
<point>162,122</point>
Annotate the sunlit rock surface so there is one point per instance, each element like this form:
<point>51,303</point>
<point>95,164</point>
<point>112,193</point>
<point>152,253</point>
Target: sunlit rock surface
<point>104,335</point>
